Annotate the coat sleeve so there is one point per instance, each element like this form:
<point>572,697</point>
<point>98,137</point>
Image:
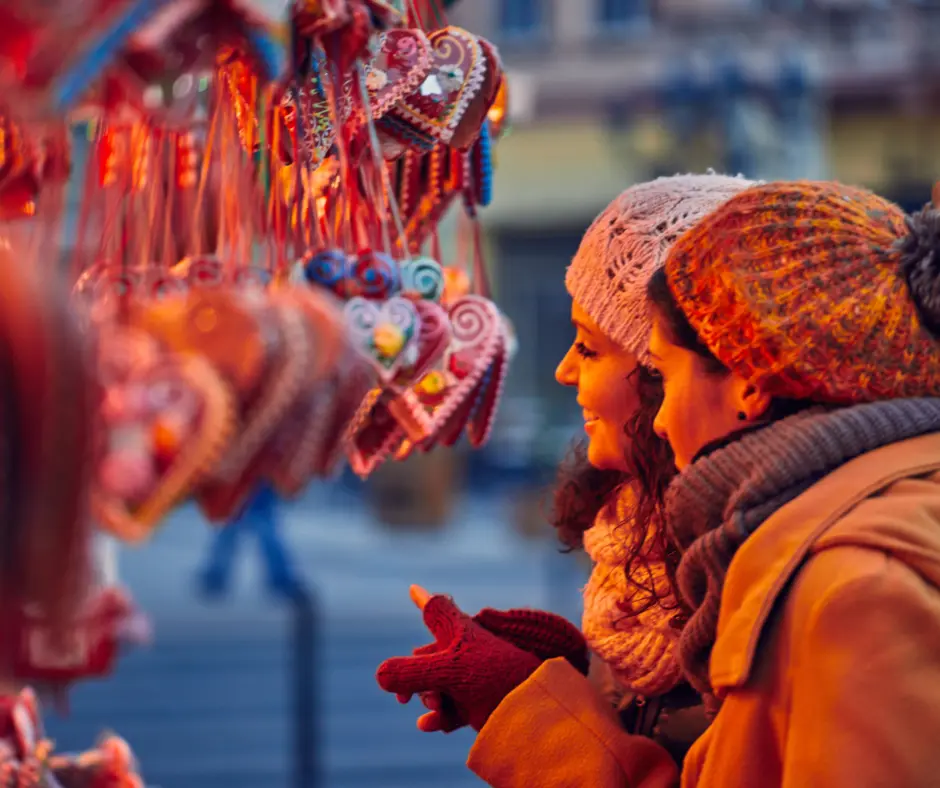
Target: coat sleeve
<point>556,730</point>
<point>865,702</point>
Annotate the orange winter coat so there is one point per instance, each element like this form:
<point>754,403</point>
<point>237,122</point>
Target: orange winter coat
<point>827,656</point>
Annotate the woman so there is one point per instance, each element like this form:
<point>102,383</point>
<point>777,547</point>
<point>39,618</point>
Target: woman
<point>610,498</point>
<point>796,333</point>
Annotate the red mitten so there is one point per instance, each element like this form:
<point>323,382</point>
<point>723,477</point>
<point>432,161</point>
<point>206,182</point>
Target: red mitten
<point>470,666</point>
<point>538,632</point>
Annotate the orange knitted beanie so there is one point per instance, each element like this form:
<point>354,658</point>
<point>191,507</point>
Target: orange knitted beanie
<point>817,291</point>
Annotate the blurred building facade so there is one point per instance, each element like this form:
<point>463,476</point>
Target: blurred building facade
<point>605,93</point>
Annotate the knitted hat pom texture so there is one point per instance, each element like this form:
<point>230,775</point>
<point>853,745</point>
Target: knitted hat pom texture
<point>816,291</point>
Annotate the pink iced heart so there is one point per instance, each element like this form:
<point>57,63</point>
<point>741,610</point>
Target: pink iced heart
<point>384,333</point>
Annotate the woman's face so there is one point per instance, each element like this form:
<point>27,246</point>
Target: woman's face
<point>603,374</point>
<point>700,406</point>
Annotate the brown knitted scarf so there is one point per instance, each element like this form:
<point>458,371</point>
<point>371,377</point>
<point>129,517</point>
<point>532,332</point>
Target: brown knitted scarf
<point>724,496</point>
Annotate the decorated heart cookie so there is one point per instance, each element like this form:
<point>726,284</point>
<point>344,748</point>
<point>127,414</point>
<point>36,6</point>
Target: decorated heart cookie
<point>432,113</point>
<point>167,424</point>
<point>236,474</point>
<point>400,62</point>
<point>468,128</point>
<point>384,333</point>
<point>477,336</point>
<point>378,436</point>
<point>486,400</point>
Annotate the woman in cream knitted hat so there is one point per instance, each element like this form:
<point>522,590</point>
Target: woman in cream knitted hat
<point>608,499</point>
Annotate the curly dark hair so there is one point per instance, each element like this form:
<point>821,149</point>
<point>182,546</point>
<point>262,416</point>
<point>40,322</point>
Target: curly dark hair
<point>581,491</point>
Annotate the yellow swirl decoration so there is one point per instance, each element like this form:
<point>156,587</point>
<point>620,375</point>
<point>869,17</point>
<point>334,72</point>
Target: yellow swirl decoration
<point>451,50</point>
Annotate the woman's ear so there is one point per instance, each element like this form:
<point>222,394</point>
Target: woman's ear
<point>751,402</point>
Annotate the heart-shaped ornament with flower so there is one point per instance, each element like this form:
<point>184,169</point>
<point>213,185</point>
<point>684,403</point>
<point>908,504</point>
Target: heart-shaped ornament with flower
<point>384,333</point>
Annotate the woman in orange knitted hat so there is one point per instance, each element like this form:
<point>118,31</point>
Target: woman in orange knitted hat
<point>796,333</point>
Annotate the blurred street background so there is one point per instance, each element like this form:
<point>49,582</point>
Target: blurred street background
<point>604,93</point>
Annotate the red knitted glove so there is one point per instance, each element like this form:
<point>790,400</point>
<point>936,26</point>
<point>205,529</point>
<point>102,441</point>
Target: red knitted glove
<point>538,632</point>
<point>543,634</point>
<point>467,666</point>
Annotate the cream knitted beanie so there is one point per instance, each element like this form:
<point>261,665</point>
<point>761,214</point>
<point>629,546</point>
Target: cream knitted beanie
<point>628,243</point>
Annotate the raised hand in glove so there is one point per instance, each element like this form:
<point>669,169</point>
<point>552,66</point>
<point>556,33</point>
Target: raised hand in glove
<point>475,662</point>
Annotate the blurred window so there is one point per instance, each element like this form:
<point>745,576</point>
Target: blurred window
<point>620,14</point>
<point>522,19</point>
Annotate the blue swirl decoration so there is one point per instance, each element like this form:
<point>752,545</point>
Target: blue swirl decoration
<point>327,268</point>
<point>424,277</point>
<point>375,276</point>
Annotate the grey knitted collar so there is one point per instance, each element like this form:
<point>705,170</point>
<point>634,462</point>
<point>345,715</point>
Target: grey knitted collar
<point>722,498</point>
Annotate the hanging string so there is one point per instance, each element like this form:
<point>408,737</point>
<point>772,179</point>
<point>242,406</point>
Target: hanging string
<point>332,84</point>
<point>387,191</point>
<point>89,197</point>
<point>167,258</point>
<point>480,275</point>
<point>197,229</point>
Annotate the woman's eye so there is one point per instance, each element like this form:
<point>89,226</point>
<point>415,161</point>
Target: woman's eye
<point>584,351</point>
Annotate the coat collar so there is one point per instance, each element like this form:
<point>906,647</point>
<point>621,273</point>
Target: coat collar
<point>768,560</point>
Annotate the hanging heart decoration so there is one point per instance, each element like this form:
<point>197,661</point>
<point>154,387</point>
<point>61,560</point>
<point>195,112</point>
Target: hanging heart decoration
<point>400,62</point>
<point>383,333</point>
<point>476,327</point>
<point>468,127</point>
<point>377,439</point>
<point>246,462</point>
<point>168,418</point>
<point>432,113</point>
<point>487,397</point>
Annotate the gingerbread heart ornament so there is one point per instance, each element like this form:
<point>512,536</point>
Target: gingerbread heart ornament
<point>379,434</point>
<point>477,329</point>
<point>167,426</point>
<point>401,61</point>
<point>235,475</point>
<point>434,110</point>
<point>480,424</point>
<point>384,333</point>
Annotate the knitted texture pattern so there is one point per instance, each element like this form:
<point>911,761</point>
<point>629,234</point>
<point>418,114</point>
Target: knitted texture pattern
<point>543,634</point>
<point>468,664</point>
<point>640,649</point>
<point>802,289</point>
<point>628,243</point>
<point>723,497</point>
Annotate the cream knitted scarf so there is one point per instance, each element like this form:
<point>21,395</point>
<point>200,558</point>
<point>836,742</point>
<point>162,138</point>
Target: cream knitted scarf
<point>639,649</point>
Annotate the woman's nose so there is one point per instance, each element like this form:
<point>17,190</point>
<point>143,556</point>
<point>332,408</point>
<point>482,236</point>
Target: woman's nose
<point>566,373</point>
